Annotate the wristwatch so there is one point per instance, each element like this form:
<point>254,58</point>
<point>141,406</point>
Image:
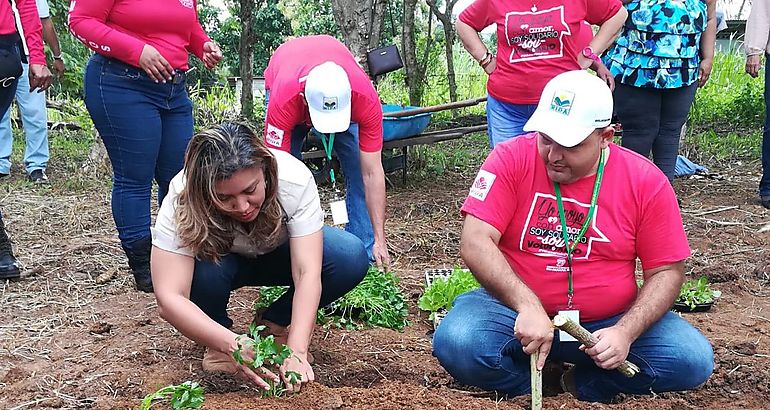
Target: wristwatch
<point>588,52</point>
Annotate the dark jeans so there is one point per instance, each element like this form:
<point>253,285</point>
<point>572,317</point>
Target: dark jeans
<point>764,183</point>
<point>652,121</point>
<point>476,345</point>
<point>9,83</point>
<point>344,265</point>
<point>145,127</point>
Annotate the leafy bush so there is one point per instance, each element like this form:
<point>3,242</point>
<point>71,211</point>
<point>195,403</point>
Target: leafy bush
<point>376,301</point>
<point>697,292</point>
<point>442,293</point>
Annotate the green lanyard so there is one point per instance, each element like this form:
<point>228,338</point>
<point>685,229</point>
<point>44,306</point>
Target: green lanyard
<point>571,247</point>
<point>328,149</point>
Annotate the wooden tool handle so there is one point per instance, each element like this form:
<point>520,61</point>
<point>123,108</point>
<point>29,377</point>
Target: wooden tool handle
<point>585,337</point>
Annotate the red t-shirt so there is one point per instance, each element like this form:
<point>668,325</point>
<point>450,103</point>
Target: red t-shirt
<point>30,23</point>
<point>636,216</point>
<point>285,79</point>
<point>534,46</point>
<point>121,28</point>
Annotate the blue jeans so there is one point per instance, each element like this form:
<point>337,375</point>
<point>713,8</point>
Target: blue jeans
<point>34,117</point>
<point>475,344</point>
<point>652,120</point>
<point>347,151</point>
<point>764,183</point>
<point>505,121</point>
<point>145,127</point>
<point>344,266</point>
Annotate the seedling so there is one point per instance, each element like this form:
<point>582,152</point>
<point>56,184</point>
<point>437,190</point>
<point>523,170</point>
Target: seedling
<point>268,354</point>
<point>442,292</point>
<point>697,292</point>
<point>185,396</point>
<point>268,295</point>
<point>376,301</point>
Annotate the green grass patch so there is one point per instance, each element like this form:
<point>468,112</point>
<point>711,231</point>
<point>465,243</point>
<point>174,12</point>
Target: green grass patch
<point>730,97</point>
<point>708,146</point>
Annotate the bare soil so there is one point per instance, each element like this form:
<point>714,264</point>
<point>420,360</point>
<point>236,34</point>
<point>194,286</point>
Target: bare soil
<point>75,334</point>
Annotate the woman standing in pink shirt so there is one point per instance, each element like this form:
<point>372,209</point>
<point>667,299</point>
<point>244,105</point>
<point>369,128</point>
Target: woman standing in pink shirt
<point>11,56</point>
<point>135,91</point>
<point>536,40</point>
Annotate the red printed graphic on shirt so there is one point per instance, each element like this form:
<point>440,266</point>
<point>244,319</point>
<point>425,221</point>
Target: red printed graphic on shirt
<point>543,236</point>
<point>536,35</point>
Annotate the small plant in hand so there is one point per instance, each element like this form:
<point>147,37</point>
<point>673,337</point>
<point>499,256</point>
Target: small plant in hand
<point>696,292</point>
<point>185,396</point>
<point>267,354</point>
<point>376,301</point>
<point>442,293</point>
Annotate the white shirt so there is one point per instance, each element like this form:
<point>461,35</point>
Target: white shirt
<point>297,194</point>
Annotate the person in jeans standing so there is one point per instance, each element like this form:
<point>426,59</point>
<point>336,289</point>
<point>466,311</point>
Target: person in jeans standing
<point>315,82</point>
<point>663,54</point>
<point>135,91</point>
<point>34,113</point>
<point>536,40</point>
<point>756,43</point>
<point>240,214</point>
<point>12,50</point>
<point>555,223</point>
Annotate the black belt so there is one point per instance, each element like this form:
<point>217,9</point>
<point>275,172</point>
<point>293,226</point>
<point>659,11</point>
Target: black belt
<point>178,77</point>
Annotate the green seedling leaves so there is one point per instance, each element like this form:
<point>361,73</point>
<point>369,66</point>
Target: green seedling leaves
<point>267,353</point>
<point>696,292</point>
<point>376,301</point>
<point>185,396</point>
<point>293,377</point>
<point>442,292</point>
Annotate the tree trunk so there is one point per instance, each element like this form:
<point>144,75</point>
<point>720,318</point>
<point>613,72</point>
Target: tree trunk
<point>246,55</point>
<point>449,40</point>
<point>361,23</point>
<point>415,72</point>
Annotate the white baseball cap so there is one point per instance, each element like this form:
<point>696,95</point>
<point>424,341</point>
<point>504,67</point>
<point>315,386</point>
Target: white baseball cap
<point>327,91</point>
<point>572,106</point>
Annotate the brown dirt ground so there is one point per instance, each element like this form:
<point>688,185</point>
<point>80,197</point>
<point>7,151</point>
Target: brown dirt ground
<point>74,333</point>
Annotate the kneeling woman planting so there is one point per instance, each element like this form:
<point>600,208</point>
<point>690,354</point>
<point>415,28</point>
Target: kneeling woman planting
<point>239,215</point>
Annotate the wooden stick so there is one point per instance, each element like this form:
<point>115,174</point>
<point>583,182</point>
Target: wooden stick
<point>434,108</point>
<point>714,211</point>
<point>536,382</point>
<point>585,337</point>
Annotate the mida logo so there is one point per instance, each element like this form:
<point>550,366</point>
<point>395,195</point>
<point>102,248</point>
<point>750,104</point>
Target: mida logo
<point>330,103</point>
<point>562,101</point>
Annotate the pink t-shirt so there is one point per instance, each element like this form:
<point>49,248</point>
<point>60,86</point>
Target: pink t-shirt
<point>636,216</point>
<point>534,46</point>
<point>121,28</point>
<point>285,79</point>
<point>30,22</point>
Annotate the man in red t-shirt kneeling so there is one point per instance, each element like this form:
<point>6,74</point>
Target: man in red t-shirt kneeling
<point>554,223</point>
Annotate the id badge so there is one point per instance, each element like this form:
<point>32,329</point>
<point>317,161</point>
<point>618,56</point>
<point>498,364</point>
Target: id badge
<point>339,211</point>
<point>573,314</point>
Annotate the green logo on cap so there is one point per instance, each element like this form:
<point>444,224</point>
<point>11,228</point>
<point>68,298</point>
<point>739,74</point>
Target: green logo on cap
<point>562,101</point>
